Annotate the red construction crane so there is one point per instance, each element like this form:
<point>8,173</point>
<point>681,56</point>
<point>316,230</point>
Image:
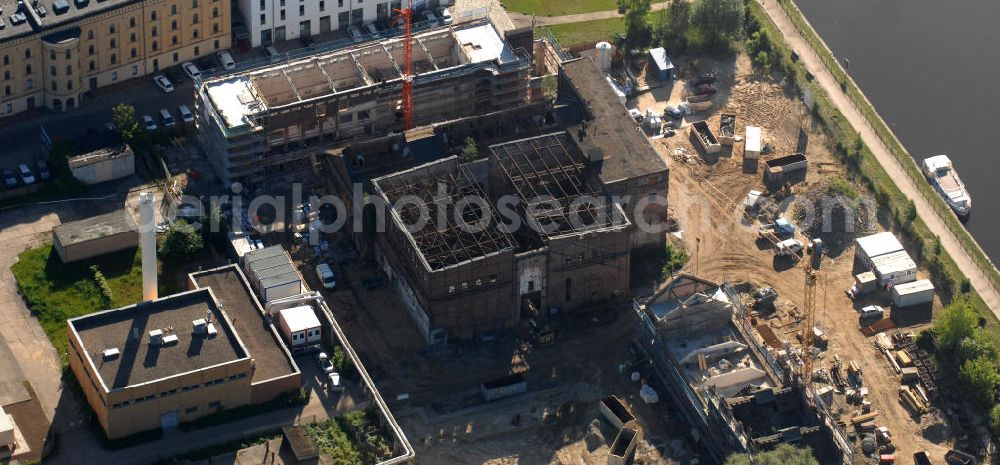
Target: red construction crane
<point>407,15</point>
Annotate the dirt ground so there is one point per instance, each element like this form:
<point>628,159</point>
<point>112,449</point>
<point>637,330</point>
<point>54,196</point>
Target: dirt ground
<point>724,247</point>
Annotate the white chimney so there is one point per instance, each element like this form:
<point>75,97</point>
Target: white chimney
<point>147,236</point>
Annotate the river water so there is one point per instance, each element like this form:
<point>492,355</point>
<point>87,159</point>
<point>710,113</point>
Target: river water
<point>932,69</point>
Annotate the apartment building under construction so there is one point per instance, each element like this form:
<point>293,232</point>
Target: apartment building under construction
<point>275,121</point>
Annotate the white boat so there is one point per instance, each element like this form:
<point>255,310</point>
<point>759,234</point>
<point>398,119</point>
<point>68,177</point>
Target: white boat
<point>944,178</point>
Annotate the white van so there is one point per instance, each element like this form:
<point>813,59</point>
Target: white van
<point>226,60</point>
<point>872,312</point>
<point>788,247</point>
<point>326,276</point>
<point>371,29</point>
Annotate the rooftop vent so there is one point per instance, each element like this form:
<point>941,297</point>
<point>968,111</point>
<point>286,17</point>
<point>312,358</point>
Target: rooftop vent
<point>169,340</point>
<point>60,6</point>
<point>81,3</point>
<point>18,18</point>
<point>111,354</point>
<point>156,337</point>
<point>211,330</point>
<point>200,326</point>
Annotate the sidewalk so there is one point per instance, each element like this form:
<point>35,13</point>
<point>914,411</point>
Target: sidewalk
<point>811,61</point>
<point>521,19</point>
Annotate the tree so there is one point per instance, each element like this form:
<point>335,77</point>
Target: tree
<point>123,115</point>
<point>637,31</point>
<point>180,242</point>
<point>980,378</point>
<point>470,151</point>
<point>784,454</point>
<point>975,346</point>
<point>995,420</point>
<point>955,323</point>
<point>720,20</point>
<point>678,21</point>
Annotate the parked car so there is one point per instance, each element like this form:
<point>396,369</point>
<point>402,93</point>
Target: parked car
<point>191,70</point>
<point>9,178</point>
<point>186,116</point>
<point>326,275</point>
<point>43,170</point>
<point>445,15</point>
<point>704,89</point>
<point>372,30</point>
<point>872,312</point>
<point>324,362</point>
<point>334,383</point>
<point>163,83</point>
<point>26,175</point>
<point>271,52</point>
<point>355,34</point>
<point>226,60</point>
<point>166,118</point>
<point>430,17</point>
<point>635,114</point>
<point>148,122</point>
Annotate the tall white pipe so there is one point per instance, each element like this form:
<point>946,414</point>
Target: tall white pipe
<point>147,235</point>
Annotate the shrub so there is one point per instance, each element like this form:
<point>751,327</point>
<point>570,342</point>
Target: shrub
<point>102,284</point>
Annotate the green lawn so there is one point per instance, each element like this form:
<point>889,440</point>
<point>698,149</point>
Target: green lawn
<point>56,292</point>
<point>558,7</point>
<point>572,34</point>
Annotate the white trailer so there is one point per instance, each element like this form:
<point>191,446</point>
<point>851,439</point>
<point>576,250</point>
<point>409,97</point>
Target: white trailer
<point>752,144</point>
<point>896,268</point>
<point>869,247</point>
<point>912,293</point>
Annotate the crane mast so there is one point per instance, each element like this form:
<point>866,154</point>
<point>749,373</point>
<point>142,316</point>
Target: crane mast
<point>407,101</point>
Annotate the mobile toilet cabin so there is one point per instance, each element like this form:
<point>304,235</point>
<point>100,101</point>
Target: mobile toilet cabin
<point>752,143</point>
<point>661,62</point>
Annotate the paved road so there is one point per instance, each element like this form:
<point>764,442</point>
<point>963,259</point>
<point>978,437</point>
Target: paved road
<point>815,65</point>
<point>521,19</point>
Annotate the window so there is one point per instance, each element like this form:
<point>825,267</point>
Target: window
<point>69,70</point>
<point>215,404</point>
<point>197,50</point>
<point>195,18</point>
<point>154,31</point>
<point>173,9</point>
<point>195,33</point>
<point>176,58</point>
<point>114,43</point>
<point>111,29</point>
<point>114,74</point>
<point>465,284</point>
<point>68,55</point>
<point>263,19</point>
<point>152,15</point>
<point>322,5</point>
<point>173,25</point>
<point>90,34</point>
<point>52,55</point>
<point>479,281</point>
<point>131,22</point>
<point>155,46</point>
<point>6,59</point>
<point>302,10</point>
<point>194,3</point>
<point>282,3</point>
<point>27,53</point>
<point>90,50</point>
<point>6,75</point>
<point>173,40</point>
<point>10,108</point>
<point>6,91</point>
<point>69,85</point>
<point>52,70</point>
<point>282,15</point>
<point>28,84</point>
<point>215,12</point>
<point>134,52</point>
<point>135,70</point>
<point>114,58</point>
<point>340,3</point>
<point>54,86</point>
<point>215,28</point>
<point>191,409</point>
<point>93,65</point>
<point>27,69</point>
<point>451,289</point>
<point>131,38</point>
<point>216,44</point>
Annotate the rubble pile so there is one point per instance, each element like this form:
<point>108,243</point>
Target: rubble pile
<point>838,220</point>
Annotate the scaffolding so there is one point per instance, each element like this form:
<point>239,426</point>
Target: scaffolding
<point>555,187</point>
<point>427,194</point>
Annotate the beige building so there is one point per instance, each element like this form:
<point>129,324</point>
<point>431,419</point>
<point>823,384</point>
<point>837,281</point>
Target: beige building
<point>54,51</point>
<point>172,360</point>
<point>95,236</point>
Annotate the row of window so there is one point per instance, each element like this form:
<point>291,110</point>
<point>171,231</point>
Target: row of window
<point>478,282</point>
<point>174,392</point>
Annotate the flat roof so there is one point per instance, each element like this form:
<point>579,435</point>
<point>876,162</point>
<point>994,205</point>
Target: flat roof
<point>127,329</point>
<point>95,227</point>
<point>232,289</point>
<point>237,98</point>
<point>752,143</point>
<point>299,318</point>
<point>611,134</point>
<point>661,59</point>
<point>891,262</point>
<point>878,244</point>
<point>913,286</point>
<point>99,155</point>
<point>35,22</point>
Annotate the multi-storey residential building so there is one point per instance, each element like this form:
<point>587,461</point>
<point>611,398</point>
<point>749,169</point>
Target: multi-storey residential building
<point>53,51</point>
<point>270,21</point>
<point>278,120</point>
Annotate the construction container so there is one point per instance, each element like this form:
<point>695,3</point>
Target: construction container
<point>869,247</point>
<point>903,358</point>
<point>894,268</point>
<point>623,446</point>
<point>616,412</point>
<point>779,169</point>
<point>661,62</point>
<point>506,386</point>
<point>866,282</point>
<point>752,143</point>
<point>704,137</point>
<point>909,374</point>
<point>727,129</point>
<point>887,458</point>
<point>912,293</point>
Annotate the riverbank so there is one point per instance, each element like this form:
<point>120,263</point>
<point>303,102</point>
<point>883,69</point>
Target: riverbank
<point>988,276</point>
